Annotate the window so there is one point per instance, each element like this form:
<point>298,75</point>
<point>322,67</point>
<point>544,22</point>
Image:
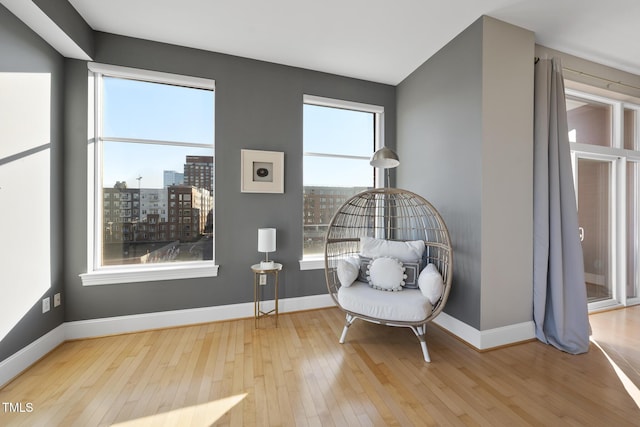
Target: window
<point>338,136</point>
<point>590,121</point>
<point>143,125</point>
<point>603,132</point>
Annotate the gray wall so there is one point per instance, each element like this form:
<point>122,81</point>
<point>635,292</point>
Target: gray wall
<point>507,175</point>
<point>21,50</point>
<point>440,135</point>
<point>258,106</point>
<point>465,120</point>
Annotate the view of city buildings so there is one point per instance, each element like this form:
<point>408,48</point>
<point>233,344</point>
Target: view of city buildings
<point>143,225</point>
<point>199,172</point>
<point>172,178</point>
<point>320,204</point>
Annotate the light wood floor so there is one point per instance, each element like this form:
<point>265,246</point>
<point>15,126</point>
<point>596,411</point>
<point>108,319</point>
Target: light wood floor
<point>229,373</point>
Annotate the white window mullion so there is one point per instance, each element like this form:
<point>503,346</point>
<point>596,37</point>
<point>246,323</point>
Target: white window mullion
<point>99,201</point>
<point>153,142</point>
<point>620,210</point>
<point>379,143</point>
<point>335,156</point>
<point>617,226</point>
<point>636,243</point>
<point>617,131</point>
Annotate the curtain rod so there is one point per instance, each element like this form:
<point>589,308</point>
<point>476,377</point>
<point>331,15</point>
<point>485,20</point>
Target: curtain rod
<point>609,81</point>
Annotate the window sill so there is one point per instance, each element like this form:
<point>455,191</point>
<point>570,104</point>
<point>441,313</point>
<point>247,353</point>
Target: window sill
<point>312,263</point>
<point>114,276</point>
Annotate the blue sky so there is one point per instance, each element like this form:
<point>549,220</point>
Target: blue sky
<point>140,110</point>
<point>337,131</point>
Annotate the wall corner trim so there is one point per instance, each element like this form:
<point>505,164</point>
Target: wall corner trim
<point>18,362</point>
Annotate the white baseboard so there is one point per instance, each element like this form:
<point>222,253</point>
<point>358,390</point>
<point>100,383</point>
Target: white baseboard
<point>167,319</point>
<point>157,320</point>
<point>483,340</point>
<point>18,362</point>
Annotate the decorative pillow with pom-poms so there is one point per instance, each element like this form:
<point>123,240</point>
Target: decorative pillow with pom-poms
<point>386,274</point>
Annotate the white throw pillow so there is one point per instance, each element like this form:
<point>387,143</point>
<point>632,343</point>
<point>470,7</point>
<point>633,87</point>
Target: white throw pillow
<point>410,251</point>
<point>386,274</point>
<point>431,284</point>
<point>347,271</point>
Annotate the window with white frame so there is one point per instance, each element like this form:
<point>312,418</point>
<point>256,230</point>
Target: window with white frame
<point>144,125</point>
<point>339,138</point>
<point>604,135</point>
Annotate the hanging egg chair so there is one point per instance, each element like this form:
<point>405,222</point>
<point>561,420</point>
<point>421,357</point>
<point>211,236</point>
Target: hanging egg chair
<point>389,260</point>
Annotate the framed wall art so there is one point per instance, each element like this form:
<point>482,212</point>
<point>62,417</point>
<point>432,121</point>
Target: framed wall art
<point>262,171</point>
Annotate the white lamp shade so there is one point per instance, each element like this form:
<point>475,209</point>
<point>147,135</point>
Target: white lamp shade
<point>266,239</point>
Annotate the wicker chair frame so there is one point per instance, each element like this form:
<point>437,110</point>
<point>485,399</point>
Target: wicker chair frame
<point>392,214</point>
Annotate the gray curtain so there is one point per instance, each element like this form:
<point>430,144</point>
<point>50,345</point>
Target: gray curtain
<point>559,292</point>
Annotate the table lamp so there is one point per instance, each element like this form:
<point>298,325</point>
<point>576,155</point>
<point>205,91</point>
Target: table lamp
<point>266,244</point>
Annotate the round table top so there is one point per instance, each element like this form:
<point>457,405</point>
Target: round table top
<point>258,269</point>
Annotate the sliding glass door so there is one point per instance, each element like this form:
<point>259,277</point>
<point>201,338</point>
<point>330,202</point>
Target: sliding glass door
<point>605,146</point>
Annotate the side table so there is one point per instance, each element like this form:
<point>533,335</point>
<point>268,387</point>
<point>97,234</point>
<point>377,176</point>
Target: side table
<point>257,272</point>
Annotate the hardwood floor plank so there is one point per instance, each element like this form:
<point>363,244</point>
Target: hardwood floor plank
<point>231,374</point>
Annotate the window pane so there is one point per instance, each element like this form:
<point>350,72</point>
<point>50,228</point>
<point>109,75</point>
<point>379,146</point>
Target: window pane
<point>338,131</point>
<point>589,122</point>
<point>138,225</point>
<point>320,204</point>
<point>145,110</point>
<point>337,172</point>
<point>326,192</point>
<point>629,129</point>
<point>633,229</point>
<point>156,165</point>
<point>594,204</point>
<point>333,176</point>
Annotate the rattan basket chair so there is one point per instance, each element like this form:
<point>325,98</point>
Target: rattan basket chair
<point>393,215</point>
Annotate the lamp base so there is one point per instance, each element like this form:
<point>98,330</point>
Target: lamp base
<point>266,264</point>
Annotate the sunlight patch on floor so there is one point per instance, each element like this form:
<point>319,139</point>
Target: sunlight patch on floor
<point>204,414</point>
<point>629,386</point>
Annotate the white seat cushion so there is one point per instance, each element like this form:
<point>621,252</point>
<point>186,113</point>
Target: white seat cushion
<point>406,306</point>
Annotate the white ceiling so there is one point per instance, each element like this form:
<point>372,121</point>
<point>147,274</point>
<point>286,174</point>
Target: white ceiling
<point>377,40</point>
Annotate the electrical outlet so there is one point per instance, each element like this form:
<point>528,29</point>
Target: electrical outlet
<point>46,305</point>
<point>56,299</point>
<point>263,279</point>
